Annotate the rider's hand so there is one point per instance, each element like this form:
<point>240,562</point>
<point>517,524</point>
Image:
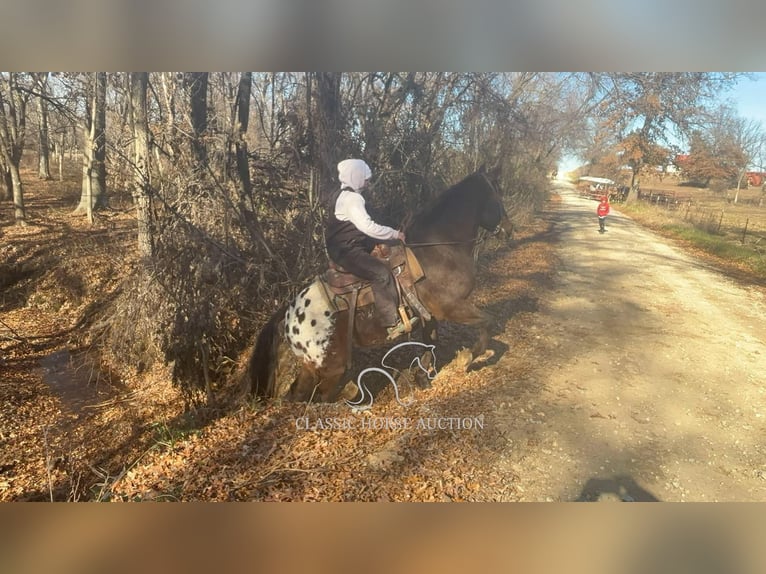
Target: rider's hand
<point>401,237</point>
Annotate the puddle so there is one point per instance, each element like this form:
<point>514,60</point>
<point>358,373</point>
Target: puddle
<point>68,379</point>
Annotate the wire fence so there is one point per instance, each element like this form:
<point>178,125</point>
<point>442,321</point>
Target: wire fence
<point>743,221</point>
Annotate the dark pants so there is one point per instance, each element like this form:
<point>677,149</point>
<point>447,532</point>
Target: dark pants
<point>364,265</point>
<point>601,221</point>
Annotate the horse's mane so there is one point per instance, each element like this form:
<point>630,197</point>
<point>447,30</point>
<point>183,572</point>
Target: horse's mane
<point>452,202</point>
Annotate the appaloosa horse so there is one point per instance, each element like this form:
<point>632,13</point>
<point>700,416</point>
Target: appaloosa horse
<point>443,237</point>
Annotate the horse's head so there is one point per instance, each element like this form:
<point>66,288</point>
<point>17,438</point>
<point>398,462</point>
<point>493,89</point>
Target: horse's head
<point>493,216</point>
<point>504,229</point>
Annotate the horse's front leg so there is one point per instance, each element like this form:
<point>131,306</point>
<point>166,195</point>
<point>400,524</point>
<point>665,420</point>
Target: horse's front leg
<point>467,313</point>
<point>480,347</point>
<point>424,375</point>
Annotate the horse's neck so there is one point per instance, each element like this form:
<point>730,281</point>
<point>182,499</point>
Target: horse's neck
<point>458,223</point>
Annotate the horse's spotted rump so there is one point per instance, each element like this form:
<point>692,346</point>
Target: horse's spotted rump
<point>309,325</point>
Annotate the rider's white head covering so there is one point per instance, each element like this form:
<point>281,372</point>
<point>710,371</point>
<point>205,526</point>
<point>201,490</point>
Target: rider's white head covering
<point>353,173</point>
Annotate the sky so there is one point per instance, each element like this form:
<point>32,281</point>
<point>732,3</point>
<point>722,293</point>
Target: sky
<point>748,96</point>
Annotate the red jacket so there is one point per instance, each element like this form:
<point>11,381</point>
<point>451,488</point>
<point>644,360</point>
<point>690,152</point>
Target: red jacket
<point>603,209</point>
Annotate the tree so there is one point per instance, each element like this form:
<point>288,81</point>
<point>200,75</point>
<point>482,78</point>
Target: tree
<point>196,84</point>
<point>702,164</point>
<point>723,149</point>
<point>328,134</point>
<point>13,117</point>
<point>242,122</point>
<point>93,196</point>
<point>649,106</point>
<point>141,181</point>
<point>5,177</point>
<point>748,138</point>
<point>43,149</point>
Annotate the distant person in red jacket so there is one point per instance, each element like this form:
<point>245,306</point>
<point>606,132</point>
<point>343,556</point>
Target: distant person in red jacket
<point>602,211</point>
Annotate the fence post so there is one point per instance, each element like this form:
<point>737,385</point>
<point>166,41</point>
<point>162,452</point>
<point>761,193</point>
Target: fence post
<point>745,230</point>
<point>719,223</point>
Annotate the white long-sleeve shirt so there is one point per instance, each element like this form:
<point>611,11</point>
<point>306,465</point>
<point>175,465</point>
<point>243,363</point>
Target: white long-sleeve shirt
<point>350,206</point>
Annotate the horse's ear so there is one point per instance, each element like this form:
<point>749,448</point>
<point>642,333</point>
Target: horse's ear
<point>495,172</point>
<point>482,168</point>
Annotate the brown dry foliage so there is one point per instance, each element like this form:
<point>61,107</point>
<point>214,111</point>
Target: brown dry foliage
<point>118,429</point>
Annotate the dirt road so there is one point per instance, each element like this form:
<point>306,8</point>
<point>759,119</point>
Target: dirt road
<point>652,374</point>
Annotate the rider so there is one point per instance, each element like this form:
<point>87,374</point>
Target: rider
<point>351,235</point>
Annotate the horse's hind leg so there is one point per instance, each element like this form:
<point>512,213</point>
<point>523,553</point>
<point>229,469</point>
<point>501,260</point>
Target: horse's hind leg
<point>329,387</point>
<point>303,387</point>
<point>316,385</point>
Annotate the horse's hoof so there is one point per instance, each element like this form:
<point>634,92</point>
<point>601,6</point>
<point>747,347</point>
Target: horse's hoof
<point>484,357</point>
<point>422,381</point>
<point>349,392</point>
<point>464,358</point>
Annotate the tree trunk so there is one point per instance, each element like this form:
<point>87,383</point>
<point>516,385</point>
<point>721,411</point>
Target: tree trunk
<point>633,193</point>
<point>93,195</point>
<point>243,168</point>
<point>12,132</point>
<point>44,171</point>
<point>243,119</point>
<point>99,143</point>
<point>19,211</point>
<point>141,190</point>
<point>6,180</point>
<point>328,137</point>
<point>739,184</point>
<point>61,157</point>
<point>197,85</point>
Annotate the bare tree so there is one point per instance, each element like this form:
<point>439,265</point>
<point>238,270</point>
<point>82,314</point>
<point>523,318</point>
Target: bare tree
<point>93,196</point>
<point>723,149</point>
<point>243,120</point>
<point>196,84</point>
<point>5,177</point>
<point>749,138</point>
<point>141,180</point>
<point>43,163</point>
<point>328,141</point>
<point>13,112</point>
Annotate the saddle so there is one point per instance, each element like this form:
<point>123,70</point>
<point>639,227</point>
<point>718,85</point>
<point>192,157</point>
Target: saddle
<point>345,290</point>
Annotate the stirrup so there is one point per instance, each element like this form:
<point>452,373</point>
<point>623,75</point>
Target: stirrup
<point>399,329</point>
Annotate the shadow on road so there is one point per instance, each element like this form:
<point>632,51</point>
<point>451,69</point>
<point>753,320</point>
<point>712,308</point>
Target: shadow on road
<point>621,486</point>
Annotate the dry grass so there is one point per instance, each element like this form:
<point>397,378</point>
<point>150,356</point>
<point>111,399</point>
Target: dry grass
<point>730,235</point>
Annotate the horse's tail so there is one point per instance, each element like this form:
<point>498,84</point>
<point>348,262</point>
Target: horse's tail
<point>263,362</point>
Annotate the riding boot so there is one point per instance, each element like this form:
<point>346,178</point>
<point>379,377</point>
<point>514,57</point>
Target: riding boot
<point>389,316</point>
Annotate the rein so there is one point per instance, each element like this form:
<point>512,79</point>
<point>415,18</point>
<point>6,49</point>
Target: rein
<point>476,241</point>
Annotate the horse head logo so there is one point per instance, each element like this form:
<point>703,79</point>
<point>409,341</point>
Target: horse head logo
<point>430,372</point>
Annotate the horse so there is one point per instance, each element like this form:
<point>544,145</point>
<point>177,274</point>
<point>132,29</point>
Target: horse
<point>443,237</point>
